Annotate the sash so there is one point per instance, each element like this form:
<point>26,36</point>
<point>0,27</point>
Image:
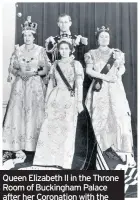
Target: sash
<point>98,82</point>
<point>71,89</point>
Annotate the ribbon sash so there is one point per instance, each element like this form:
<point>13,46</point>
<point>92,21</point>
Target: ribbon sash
<point>71,89</point>
<point>98,82</point>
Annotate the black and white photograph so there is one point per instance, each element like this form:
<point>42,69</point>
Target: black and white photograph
<point>70,87</point>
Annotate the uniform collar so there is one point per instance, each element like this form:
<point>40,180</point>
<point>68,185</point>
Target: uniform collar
<point>65,33</point>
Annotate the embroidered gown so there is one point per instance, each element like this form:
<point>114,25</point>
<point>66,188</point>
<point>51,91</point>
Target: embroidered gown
<point>109,108</point>
<point>26,108</point>
<point>56,143</point>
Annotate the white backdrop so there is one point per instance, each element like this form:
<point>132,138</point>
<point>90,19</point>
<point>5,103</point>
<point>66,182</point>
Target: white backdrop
<point>9,11</point>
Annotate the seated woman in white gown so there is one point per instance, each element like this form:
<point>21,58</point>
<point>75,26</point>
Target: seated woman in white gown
<point>106,99</point>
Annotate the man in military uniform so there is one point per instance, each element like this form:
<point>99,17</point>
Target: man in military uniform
<point>64,23</point>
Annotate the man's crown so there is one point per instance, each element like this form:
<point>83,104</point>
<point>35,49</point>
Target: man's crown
<point>102,29</point>
<point>28,25</point>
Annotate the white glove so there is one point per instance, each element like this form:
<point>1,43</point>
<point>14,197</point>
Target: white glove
<point>77,41</point>
<point>84,40</point>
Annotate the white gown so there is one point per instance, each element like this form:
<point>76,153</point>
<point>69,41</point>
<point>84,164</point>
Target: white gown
<point>56,143</point>
<point>109,108</point>
<point>26,107</point>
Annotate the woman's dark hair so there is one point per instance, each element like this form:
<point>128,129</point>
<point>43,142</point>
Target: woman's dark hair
<point>98,33</point>
<point>65,42</point>
<point>58,47</point>
<point>97,36</point>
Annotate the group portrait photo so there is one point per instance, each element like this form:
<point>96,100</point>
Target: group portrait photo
<point>70,87</point>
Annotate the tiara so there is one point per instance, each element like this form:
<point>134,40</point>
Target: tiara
<point>65,39</point>
<point>102,29</point>
<point>28,25</point>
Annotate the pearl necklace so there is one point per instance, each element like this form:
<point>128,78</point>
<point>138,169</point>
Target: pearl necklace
<point>68,60</point>
<point>28,50</point>
<point>105,52</point>
<point>102,55</point>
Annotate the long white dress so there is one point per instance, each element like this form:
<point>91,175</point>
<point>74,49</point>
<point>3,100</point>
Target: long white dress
<point>26,107</point>
<point>56,143</point>
<point>109,108</point>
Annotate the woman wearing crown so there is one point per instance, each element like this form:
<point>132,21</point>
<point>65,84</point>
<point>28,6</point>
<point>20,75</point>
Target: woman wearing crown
<point>56,143</point>
<point>26,108</point>
<point>106,99</point>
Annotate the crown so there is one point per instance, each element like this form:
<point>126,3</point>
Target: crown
<point>28,25</point>
<point>102,29</point>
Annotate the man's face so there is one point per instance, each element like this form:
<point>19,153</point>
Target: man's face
<point>64,23</point>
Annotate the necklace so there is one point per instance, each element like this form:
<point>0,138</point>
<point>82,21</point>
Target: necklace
<point>102,54</point>
<point>105,52</point>
<point>69,59</point>
<point>27,63</point>
<point>30,48</point>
